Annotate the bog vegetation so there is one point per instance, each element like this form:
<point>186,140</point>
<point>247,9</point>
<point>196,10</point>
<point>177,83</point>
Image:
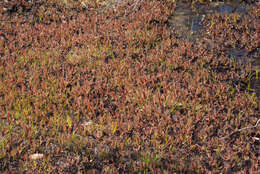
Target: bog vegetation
<point>107,87</point>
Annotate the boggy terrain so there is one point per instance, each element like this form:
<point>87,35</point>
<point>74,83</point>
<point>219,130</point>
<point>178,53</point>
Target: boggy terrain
<point>109,87</point>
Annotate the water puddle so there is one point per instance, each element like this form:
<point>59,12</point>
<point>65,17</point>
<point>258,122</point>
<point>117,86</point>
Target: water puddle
<point>187,24</point>
<point>187,18</point>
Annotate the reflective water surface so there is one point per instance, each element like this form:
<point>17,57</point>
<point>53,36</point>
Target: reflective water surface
<point>187,24</point>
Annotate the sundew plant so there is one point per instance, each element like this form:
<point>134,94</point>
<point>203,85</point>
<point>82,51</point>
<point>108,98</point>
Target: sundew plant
<point>108,87</point>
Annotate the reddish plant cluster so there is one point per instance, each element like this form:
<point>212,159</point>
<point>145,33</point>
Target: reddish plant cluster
<point>112,90</point>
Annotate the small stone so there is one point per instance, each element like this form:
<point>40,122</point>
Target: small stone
<point>87,123</point>
<point>99,134</point>
<point>36,156</point>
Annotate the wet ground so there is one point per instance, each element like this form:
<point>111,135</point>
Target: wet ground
<point>187,21</point>
<point>188,18</point>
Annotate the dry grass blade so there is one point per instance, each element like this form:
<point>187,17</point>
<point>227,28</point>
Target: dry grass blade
<point>239,130</point>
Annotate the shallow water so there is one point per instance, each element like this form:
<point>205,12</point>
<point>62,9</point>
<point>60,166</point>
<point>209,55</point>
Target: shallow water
<point>187,19</point>
<point>187,23</point>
